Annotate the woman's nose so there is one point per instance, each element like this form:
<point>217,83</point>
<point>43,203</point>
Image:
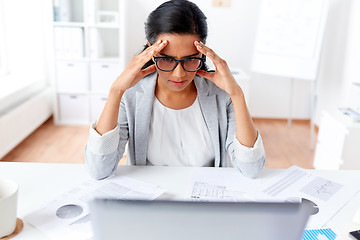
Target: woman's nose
<point>179,71</point>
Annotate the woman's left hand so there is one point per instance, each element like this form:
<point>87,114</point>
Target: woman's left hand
<point>222,76</point>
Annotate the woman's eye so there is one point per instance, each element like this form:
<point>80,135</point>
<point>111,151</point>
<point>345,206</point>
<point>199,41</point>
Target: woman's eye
<point>168,59</point>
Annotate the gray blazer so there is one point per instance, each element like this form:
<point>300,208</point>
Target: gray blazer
<point>134,121</point>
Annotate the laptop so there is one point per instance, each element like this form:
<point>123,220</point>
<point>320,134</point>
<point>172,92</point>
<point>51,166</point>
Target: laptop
<point>180,220</point>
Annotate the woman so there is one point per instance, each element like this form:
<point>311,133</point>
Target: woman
<point>170,110</point>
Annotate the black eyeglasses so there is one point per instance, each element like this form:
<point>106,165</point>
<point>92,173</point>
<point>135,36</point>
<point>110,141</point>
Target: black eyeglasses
<point>189,64</point>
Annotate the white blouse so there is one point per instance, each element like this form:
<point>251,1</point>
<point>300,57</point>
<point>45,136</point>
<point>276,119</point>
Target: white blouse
<point>179,137</point>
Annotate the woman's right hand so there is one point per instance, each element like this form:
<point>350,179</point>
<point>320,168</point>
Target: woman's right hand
<point>128,78</point>
<point>133,72</point>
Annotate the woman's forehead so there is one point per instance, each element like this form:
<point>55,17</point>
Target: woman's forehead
<point>179,45</point>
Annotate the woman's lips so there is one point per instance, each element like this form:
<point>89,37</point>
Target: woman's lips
<point>177,84</point>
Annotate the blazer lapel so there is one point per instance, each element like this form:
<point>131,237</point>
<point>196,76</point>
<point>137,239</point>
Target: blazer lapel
<point>144,103</point>
<point>209,109</point>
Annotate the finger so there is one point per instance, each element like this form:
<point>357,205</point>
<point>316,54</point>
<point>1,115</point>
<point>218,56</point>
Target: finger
<point>209,53</point>
<point>161,44</point>
<point>149,53</point>
<point>136,77</point>
<point>206,50</point>
<point>148,70</point>
<point>200,48</point>
<point>156,47</point>
<point>205,74</point>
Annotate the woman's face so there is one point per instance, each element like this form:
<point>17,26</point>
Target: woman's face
<point>179,46</point>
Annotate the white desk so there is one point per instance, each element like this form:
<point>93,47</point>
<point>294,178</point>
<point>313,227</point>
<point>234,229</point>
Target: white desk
<point>42,182</point>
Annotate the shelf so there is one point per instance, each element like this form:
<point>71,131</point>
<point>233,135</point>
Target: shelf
<point>104,43</point>
<point>69,24</point>
<point>70,92</point>
<point>82,59</point>
<point>69,42</point>
<point>105,59</point>
<point>86,25</point>
<point>87,56</point>
<point>104,25</point>
<point>68,10</point>
<point>99,93</point>
<point>106,5</point>
<point>86,59</point>
<point>104,12</point>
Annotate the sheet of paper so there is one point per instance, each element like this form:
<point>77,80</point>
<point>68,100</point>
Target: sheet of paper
<point>210,184</point>
<point>293,184</point>
<point>67,217</point>
<point>327,196</point>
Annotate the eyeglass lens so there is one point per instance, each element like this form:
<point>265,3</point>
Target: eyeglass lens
<point>168,64</point>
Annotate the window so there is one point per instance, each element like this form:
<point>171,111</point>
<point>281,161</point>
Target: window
<point>23,46</point>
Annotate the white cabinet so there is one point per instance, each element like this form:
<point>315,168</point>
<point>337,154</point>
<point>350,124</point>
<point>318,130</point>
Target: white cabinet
<point>88,56</point>
<point>73,108</point>
<point>103,74</point>
<point>71,76</point>
<point>338,145</point>
<point>97,103</point>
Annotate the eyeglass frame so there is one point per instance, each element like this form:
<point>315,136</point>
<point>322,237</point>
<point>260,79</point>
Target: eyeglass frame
<point>182,61</point>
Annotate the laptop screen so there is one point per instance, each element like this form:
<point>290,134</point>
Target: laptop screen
<point>179,220</point>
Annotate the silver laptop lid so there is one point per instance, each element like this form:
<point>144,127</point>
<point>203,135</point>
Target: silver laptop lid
<point>160,220</point>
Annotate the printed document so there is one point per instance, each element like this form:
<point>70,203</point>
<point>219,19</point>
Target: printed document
<point>291,185</point>
<point>212,184</point>
<point>326,196</point>
<point>67,217</point>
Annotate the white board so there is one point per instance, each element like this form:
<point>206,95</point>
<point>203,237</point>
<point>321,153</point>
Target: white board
<point>289,38</point>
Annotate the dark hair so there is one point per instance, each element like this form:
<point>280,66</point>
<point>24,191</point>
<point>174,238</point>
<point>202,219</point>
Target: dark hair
<point>175,16</point>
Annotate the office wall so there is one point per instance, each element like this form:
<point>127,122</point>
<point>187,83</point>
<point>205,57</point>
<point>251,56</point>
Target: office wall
<point>332,79</point>
<point>352,59</point>
<point>232,34</point>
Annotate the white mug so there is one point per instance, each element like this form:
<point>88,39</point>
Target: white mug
<point>8,207</point>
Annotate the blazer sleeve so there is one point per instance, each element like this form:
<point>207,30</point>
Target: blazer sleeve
<point>103,152</point>
<point>248,160</point>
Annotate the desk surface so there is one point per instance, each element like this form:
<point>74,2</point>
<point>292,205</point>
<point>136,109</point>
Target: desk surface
<point>42,182</point>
